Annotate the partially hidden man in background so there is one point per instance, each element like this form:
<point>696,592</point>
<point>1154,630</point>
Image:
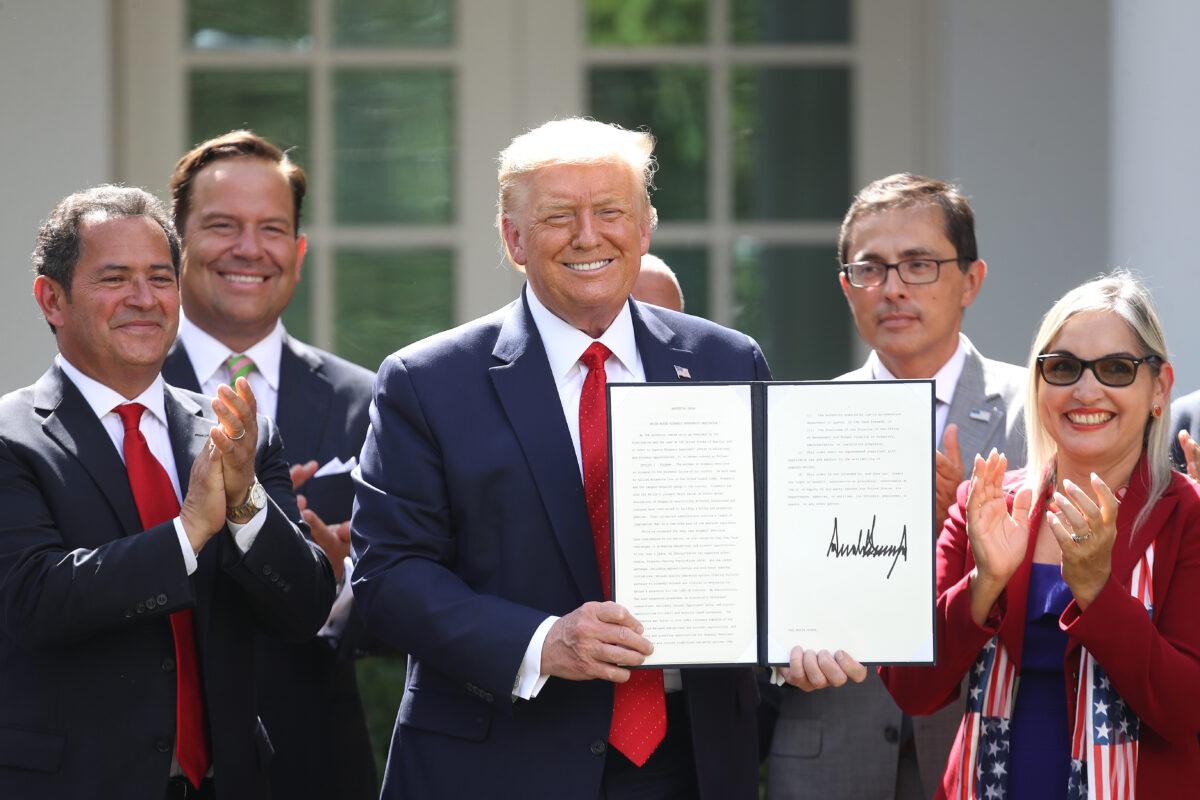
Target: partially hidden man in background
<point>482,519</point>
<point>149,533</point>
<point>237,201</point>
<point>910,268</point>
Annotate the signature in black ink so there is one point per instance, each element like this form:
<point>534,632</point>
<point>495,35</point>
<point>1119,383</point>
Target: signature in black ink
<point>868,548</point>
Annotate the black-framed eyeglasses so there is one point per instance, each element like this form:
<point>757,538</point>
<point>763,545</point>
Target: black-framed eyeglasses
<point>1064,369</point>
<point>913,271</point>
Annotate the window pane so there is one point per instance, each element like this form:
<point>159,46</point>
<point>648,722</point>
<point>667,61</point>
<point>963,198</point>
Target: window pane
<point>393,23</point>
<point>236,24</point>
<point>784,21</point>
<point>394,146</point>
<point>787,297</point>
<point>646,22</point>
<point>672,102</point>
<point>690,265</point>
<point>272,104</point>
<point>791,128</point>
<point>387,299</point>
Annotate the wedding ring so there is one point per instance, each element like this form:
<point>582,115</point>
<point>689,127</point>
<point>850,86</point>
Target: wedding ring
<point>239,436</point>
<point>1077,539</point>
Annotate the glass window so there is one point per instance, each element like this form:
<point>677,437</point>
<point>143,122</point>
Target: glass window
<point>792,142</point>
<point>386,299</point>
<point>788,298</point>
<point>273,103</point>
<point>672,103</point>
<point>394,146</point>
<point>780,21</point>
<point>236,24</point>
<point>646,22</point>
<point>393,23</point>
<point>297,317</point>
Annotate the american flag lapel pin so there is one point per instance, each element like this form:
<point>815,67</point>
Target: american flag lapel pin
<point>682,373</point>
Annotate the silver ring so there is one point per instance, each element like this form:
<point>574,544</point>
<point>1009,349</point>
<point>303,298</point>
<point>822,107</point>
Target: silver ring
<point>1077,539</point>
<point>241,435</point>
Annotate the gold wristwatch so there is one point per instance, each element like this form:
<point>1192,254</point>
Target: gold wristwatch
<point>256,501</point>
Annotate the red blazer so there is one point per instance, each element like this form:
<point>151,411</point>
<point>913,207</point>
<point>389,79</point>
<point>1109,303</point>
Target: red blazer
<point>1154,665</point>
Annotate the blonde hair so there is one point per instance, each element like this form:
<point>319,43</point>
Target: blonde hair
<point>1122,294</point>
<point>575,141</point>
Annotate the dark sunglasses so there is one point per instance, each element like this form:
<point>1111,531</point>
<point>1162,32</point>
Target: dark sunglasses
<point>1064,369</point>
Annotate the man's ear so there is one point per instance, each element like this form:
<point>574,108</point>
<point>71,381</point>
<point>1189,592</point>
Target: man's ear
<point>513,242</point>
<point>301,251</point>
<point>973,281</point>
<point>50,298</point>
<point>845,284</point>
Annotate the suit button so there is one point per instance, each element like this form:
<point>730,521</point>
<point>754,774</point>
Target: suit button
<point>151,603</point>
<point>287,587</point>
<point>598,747</point>
<point>267,569</point>
<point>141,607</point>
<point>168,665</point>
<point>891,734</point>
<point>274,577</point>
<point>163,744</point>
<point>129,613</point>
<point>162,599</point>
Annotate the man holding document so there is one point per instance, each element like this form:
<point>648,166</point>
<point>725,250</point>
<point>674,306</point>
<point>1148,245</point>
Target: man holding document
<point>482,520</point>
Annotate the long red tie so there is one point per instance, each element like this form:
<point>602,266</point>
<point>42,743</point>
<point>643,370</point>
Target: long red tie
<point>639,720</point>
<point>155,499</point>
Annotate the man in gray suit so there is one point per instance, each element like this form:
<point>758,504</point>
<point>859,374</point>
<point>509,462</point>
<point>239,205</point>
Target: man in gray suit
<point>910,269</point>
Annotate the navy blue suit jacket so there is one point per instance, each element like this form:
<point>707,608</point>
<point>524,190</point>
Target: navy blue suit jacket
<point>87,681</point>
<point>471,528</point>
<point>308,693</point>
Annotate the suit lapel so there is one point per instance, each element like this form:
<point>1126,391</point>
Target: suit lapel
<point>304,399</point>
<point>973,409</point>
<point>529,396</point>
<point>188,430</point>
<point>662,362</point>
<point>72,424</point>
<point>178,369</point>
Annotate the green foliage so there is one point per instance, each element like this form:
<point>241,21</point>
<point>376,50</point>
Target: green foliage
<point>381,686</point>
<point>790,21</point>
<point>646,22</point>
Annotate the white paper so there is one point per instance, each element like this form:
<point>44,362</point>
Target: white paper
<point>683,519</point>
<point>859,457</point>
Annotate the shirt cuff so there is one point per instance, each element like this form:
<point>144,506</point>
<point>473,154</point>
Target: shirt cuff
<point>189,555</point>
<point>339,615</point>
<point>245,534</point>
<point>529,679</point>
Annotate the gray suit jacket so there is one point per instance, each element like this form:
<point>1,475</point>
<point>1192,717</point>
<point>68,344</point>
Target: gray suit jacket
<point>844,743</point>
<point>1185,413</point>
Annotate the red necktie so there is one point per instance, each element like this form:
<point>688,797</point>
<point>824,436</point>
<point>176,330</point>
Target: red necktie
<point>155,499</point>
<point>639,720</point>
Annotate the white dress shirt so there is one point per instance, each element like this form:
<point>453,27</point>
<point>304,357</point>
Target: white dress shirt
<point>945,380</point>
<point>153,425</point>
<point>210,361</point>
<point>564,345</point>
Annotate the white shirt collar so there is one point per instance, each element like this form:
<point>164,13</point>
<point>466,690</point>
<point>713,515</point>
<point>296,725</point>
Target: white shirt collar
<point>945,380</point>
<point>208,355</point>
<point>103,399</point>
<point>565,344</point>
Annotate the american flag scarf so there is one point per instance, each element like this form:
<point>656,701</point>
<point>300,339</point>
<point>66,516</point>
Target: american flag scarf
<point>1105,738</point>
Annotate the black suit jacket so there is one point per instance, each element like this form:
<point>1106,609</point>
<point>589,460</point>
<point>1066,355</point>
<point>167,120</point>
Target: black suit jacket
<point>1185,413</point>
<point>87,682</point>
<point>308,693</point>
<point>471,528</point>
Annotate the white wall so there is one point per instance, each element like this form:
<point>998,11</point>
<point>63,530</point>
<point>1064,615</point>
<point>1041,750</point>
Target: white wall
<point>1156,164</point>
<point>55,97</point>
<point>1019,116</point>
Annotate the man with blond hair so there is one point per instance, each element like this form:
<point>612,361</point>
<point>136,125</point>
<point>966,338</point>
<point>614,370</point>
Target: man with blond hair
<point>482,522</point>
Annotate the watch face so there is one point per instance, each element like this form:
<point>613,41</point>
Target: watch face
<point>258,495</point>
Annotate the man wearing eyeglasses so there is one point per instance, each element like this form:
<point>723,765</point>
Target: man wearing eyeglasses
<point>910,268</point>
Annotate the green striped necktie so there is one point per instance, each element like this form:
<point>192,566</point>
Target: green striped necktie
<point>240,366</point>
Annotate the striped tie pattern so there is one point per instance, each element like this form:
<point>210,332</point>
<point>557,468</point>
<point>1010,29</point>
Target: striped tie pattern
<point>240,366</point>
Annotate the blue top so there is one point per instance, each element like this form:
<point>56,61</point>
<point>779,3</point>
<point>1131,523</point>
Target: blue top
<point>1039,765</point>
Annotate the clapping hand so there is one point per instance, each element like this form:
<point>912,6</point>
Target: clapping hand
<point>1191,454</point>
<point>1085,532</point>
<point>998,538</point>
